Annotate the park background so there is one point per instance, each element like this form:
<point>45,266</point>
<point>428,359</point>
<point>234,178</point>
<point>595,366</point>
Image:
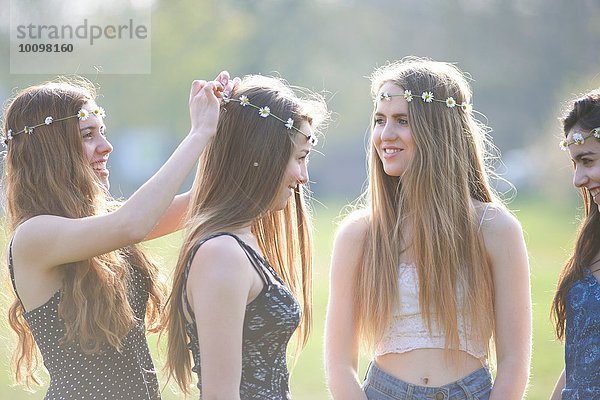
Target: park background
<point>526,58</point>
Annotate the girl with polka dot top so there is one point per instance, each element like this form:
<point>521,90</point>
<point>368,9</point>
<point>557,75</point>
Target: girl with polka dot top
<point>82,287</point>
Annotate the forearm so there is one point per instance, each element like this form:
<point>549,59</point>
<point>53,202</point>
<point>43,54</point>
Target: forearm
<point>560,385</point>
<point>511,380</point>
<point>142,210</point>
<point>344,384</point>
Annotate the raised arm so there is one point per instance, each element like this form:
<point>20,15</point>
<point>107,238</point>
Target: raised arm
<point>219,284</point>
<point>47,241</point>
<point>512,303</point>
<point>341,337</point>
<point>173,218</point>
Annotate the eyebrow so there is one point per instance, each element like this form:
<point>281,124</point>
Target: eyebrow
<point>92,127</point>
<point>579,156</point>
<point>393,115</point>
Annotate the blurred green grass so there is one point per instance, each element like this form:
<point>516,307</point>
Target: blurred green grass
<point>549,230</point>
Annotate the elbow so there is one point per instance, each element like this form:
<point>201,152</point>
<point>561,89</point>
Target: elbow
<point>134,230</point>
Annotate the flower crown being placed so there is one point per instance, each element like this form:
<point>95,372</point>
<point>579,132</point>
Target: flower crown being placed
<point>82,114</point>
<point>265,112</point>
<point>578,138</point>
<point>427,97</point>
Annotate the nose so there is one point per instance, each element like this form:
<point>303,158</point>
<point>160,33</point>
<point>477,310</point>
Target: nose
<point>104,146</point>
<point>303,175</point>
<point>387,133</point>
<point>580,178</point>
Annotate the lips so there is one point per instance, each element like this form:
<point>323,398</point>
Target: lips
<point>99,166</point>
<point>594,192</point>
<point>389,152</point>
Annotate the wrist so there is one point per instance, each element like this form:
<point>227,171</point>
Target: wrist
<point>202,131</point>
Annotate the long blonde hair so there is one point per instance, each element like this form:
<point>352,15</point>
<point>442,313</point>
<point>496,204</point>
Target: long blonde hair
<point>46,174</point>
<point>230,192</point>
<point>434,199</point>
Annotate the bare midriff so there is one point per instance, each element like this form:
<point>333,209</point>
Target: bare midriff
<point>429,367</point>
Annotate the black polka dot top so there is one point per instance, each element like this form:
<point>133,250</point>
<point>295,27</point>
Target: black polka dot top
<point>107,375</point>
<point>270,320</point>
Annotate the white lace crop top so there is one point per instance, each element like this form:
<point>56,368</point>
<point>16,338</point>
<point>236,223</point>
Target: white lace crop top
<point>408,331</point>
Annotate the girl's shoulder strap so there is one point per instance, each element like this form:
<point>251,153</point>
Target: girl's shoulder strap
<point>11,268</point>
<point>485,209</point>
<point>252,255</point>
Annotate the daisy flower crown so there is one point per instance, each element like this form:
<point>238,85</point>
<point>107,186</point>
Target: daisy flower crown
<point>578,138</point>
<point>82,114</point>
<point>265,112</point>
<point>428,97</point>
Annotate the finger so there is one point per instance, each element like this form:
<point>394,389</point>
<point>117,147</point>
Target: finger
<point>209,88</point>
<point>197,85</point>
<point>223,78</point>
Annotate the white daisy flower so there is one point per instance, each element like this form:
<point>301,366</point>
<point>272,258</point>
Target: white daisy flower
<point>578,138</point>
<point>264,111</point>
<point>596,133</point>
<point>83,114</point>
<point>101,112</point>
<point>313,140</point>
<point>290,123</point>
<point>427,97</point>
<point>28,130</point>
<point>466,107</point>
<point>48,120</point>
<point>563,145</point>
<point>244,100</point>
<point>9,134</point>
<point>450,102</point>
<point>408,95</point>
<point>385,96</point>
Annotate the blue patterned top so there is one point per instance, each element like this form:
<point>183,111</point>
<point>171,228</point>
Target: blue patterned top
<point>582,348</point>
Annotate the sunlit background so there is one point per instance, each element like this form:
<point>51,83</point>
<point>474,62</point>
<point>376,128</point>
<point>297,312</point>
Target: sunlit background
<point>526,59</point>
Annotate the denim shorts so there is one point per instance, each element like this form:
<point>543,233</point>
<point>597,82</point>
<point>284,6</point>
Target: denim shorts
<point>379,385</point>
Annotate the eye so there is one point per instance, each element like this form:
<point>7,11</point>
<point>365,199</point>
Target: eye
<point>586,162</point>
<point>403,121</point>
<point>86,134</point>
<point>379,121</point>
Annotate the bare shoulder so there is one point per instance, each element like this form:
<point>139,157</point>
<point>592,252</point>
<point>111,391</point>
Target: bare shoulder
<point>497,221</point>
<point>353,230</point>
<point>220,257</point>
<point>503,237</point>
<point>32,234</point>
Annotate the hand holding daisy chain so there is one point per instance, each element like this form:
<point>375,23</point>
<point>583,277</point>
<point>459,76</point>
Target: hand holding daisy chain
<point>204,107</point>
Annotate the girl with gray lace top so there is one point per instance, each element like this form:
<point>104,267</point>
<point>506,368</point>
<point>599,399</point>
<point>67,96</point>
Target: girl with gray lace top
<point>242,281</point>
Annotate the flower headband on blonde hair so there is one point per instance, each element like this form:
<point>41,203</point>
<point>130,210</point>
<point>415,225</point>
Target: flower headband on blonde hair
<point>265,112</point>
<point>82,114</point>
<point>428,97</point>
<point>578,138</point>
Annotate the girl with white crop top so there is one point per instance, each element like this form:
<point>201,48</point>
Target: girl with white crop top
<point>431,275</point>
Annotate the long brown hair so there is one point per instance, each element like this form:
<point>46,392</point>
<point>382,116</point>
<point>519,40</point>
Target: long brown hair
<point>434,199</point>
<point>583,112</point>
<point>46,174</point>
<point>230,192</point>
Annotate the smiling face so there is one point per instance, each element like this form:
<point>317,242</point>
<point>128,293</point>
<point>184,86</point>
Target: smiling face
<point>392,135</point>
<point>586,159</point>
<point>95,145</point>
<point>296,171</point>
